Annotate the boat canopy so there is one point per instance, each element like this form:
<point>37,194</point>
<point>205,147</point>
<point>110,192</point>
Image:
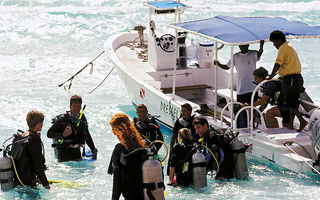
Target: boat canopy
<point>164,4</point>
<point>246,30</point>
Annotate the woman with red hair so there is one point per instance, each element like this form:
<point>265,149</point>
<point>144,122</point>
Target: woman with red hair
<point>127,159</point>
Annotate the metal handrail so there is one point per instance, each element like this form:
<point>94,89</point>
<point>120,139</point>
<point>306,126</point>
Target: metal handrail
<point>246,108</point>
<point>231,113</point>
<point>252,100</point>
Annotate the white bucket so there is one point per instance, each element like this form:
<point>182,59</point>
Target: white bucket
<point>205,54</point>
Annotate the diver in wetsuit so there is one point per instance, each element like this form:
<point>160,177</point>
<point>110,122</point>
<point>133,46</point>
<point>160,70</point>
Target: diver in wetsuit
<point>127,175</point>
<point>181,159</point>
<point>69,133</point>
<point>28,157</point>
<point>185,121</point>
<point>219,144</point>
<point>147,127</point>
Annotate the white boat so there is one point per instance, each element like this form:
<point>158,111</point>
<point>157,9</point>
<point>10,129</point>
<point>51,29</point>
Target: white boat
<point>160,77</point>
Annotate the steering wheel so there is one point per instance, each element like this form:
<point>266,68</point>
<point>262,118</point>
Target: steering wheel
<point>166,43</point>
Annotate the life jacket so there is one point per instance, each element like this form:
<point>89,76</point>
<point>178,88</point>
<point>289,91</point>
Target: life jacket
<point>276,96</point>
<point>78,136</point>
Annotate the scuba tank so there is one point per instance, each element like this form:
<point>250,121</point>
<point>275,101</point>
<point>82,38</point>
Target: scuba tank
<point>6,174</point>
<point>199,173</point>
<point>6,165</point>
<point>239,159</point>
<point>152,179</point>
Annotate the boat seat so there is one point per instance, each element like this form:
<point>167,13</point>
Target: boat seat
<point>182,88</point>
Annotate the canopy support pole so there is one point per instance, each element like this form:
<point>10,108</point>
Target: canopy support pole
<point>215,81</point>
<point>231,85</point>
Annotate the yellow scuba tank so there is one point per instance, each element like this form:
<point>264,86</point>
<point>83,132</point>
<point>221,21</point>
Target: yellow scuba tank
<point>152,179</point>
<point>199,173</point>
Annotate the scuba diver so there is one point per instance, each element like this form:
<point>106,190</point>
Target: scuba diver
<point>136,174</point>
<point>181,159</point>
<point>147,127</point>
<point>70,132</point>
<point>28,160</point>
<point>219,145</point>
<point>185,121</point>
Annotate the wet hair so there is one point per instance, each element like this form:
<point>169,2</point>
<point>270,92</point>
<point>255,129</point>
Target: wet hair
<point>187,106</point>
<point>142,106</point>
<point>33,118</point>
<point>200,120</point>
<point>276,36</point>
<point>75,99</point>
<point>127,134</point>
<point>261,73</point>
<point>185,135</point>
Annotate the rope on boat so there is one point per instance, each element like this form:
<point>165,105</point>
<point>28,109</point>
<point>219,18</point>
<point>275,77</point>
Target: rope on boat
<point>315,170</point>
<point>72,77</point>
<point>102,80</point>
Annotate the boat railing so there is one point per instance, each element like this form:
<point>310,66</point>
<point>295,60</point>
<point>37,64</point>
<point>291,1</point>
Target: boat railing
<point>252,100</point>
<point>263,122</point>
<point>309,103</point>
<point>238,113</point>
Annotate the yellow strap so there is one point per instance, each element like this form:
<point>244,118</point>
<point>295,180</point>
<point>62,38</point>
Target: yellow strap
<point>159,141</point>
<point>15,170</point>
<point>213,157</point>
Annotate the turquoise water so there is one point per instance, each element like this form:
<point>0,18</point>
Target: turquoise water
<point>43,43</point>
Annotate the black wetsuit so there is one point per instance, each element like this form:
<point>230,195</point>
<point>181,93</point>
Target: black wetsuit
<point>182,123</point>
<point>127,180</point>
<point>180,155</point>
<point>149,130</point>
<point>30,164</point>
<point>220,145</point>
<point>67,148</point>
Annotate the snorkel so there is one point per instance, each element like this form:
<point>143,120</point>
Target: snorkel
<point>81,115</point>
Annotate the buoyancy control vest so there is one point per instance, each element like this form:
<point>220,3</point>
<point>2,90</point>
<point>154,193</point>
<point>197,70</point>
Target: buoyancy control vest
<point>220,145</point>
<point>78,136</point>
<point>181,160</point>
<point>11,153</point>
<point>141,174</point>
<point>148,130</point>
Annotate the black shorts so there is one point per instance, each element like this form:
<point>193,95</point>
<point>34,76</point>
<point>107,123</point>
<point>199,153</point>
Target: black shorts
<point>285,114</point>
<point>292,86</point>
<point>246,98</point>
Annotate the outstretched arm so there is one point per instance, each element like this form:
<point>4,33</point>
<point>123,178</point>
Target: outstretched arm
<point>222,66</point>
<point>260,49</point>
<point>274,71</point>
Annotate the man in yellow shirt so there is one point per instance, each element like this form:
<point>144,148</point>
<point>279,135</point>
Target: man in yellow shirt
<point>289,67</point>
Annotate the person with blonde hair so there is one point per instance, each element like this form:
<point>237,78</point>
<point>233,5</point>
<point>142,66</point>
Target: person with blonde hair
<point>180,159</point>
<point>127,159</point>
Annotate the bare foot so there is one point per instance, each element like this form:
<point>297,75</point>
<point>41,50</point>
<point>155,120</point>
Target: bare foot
<point>303,126</point>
